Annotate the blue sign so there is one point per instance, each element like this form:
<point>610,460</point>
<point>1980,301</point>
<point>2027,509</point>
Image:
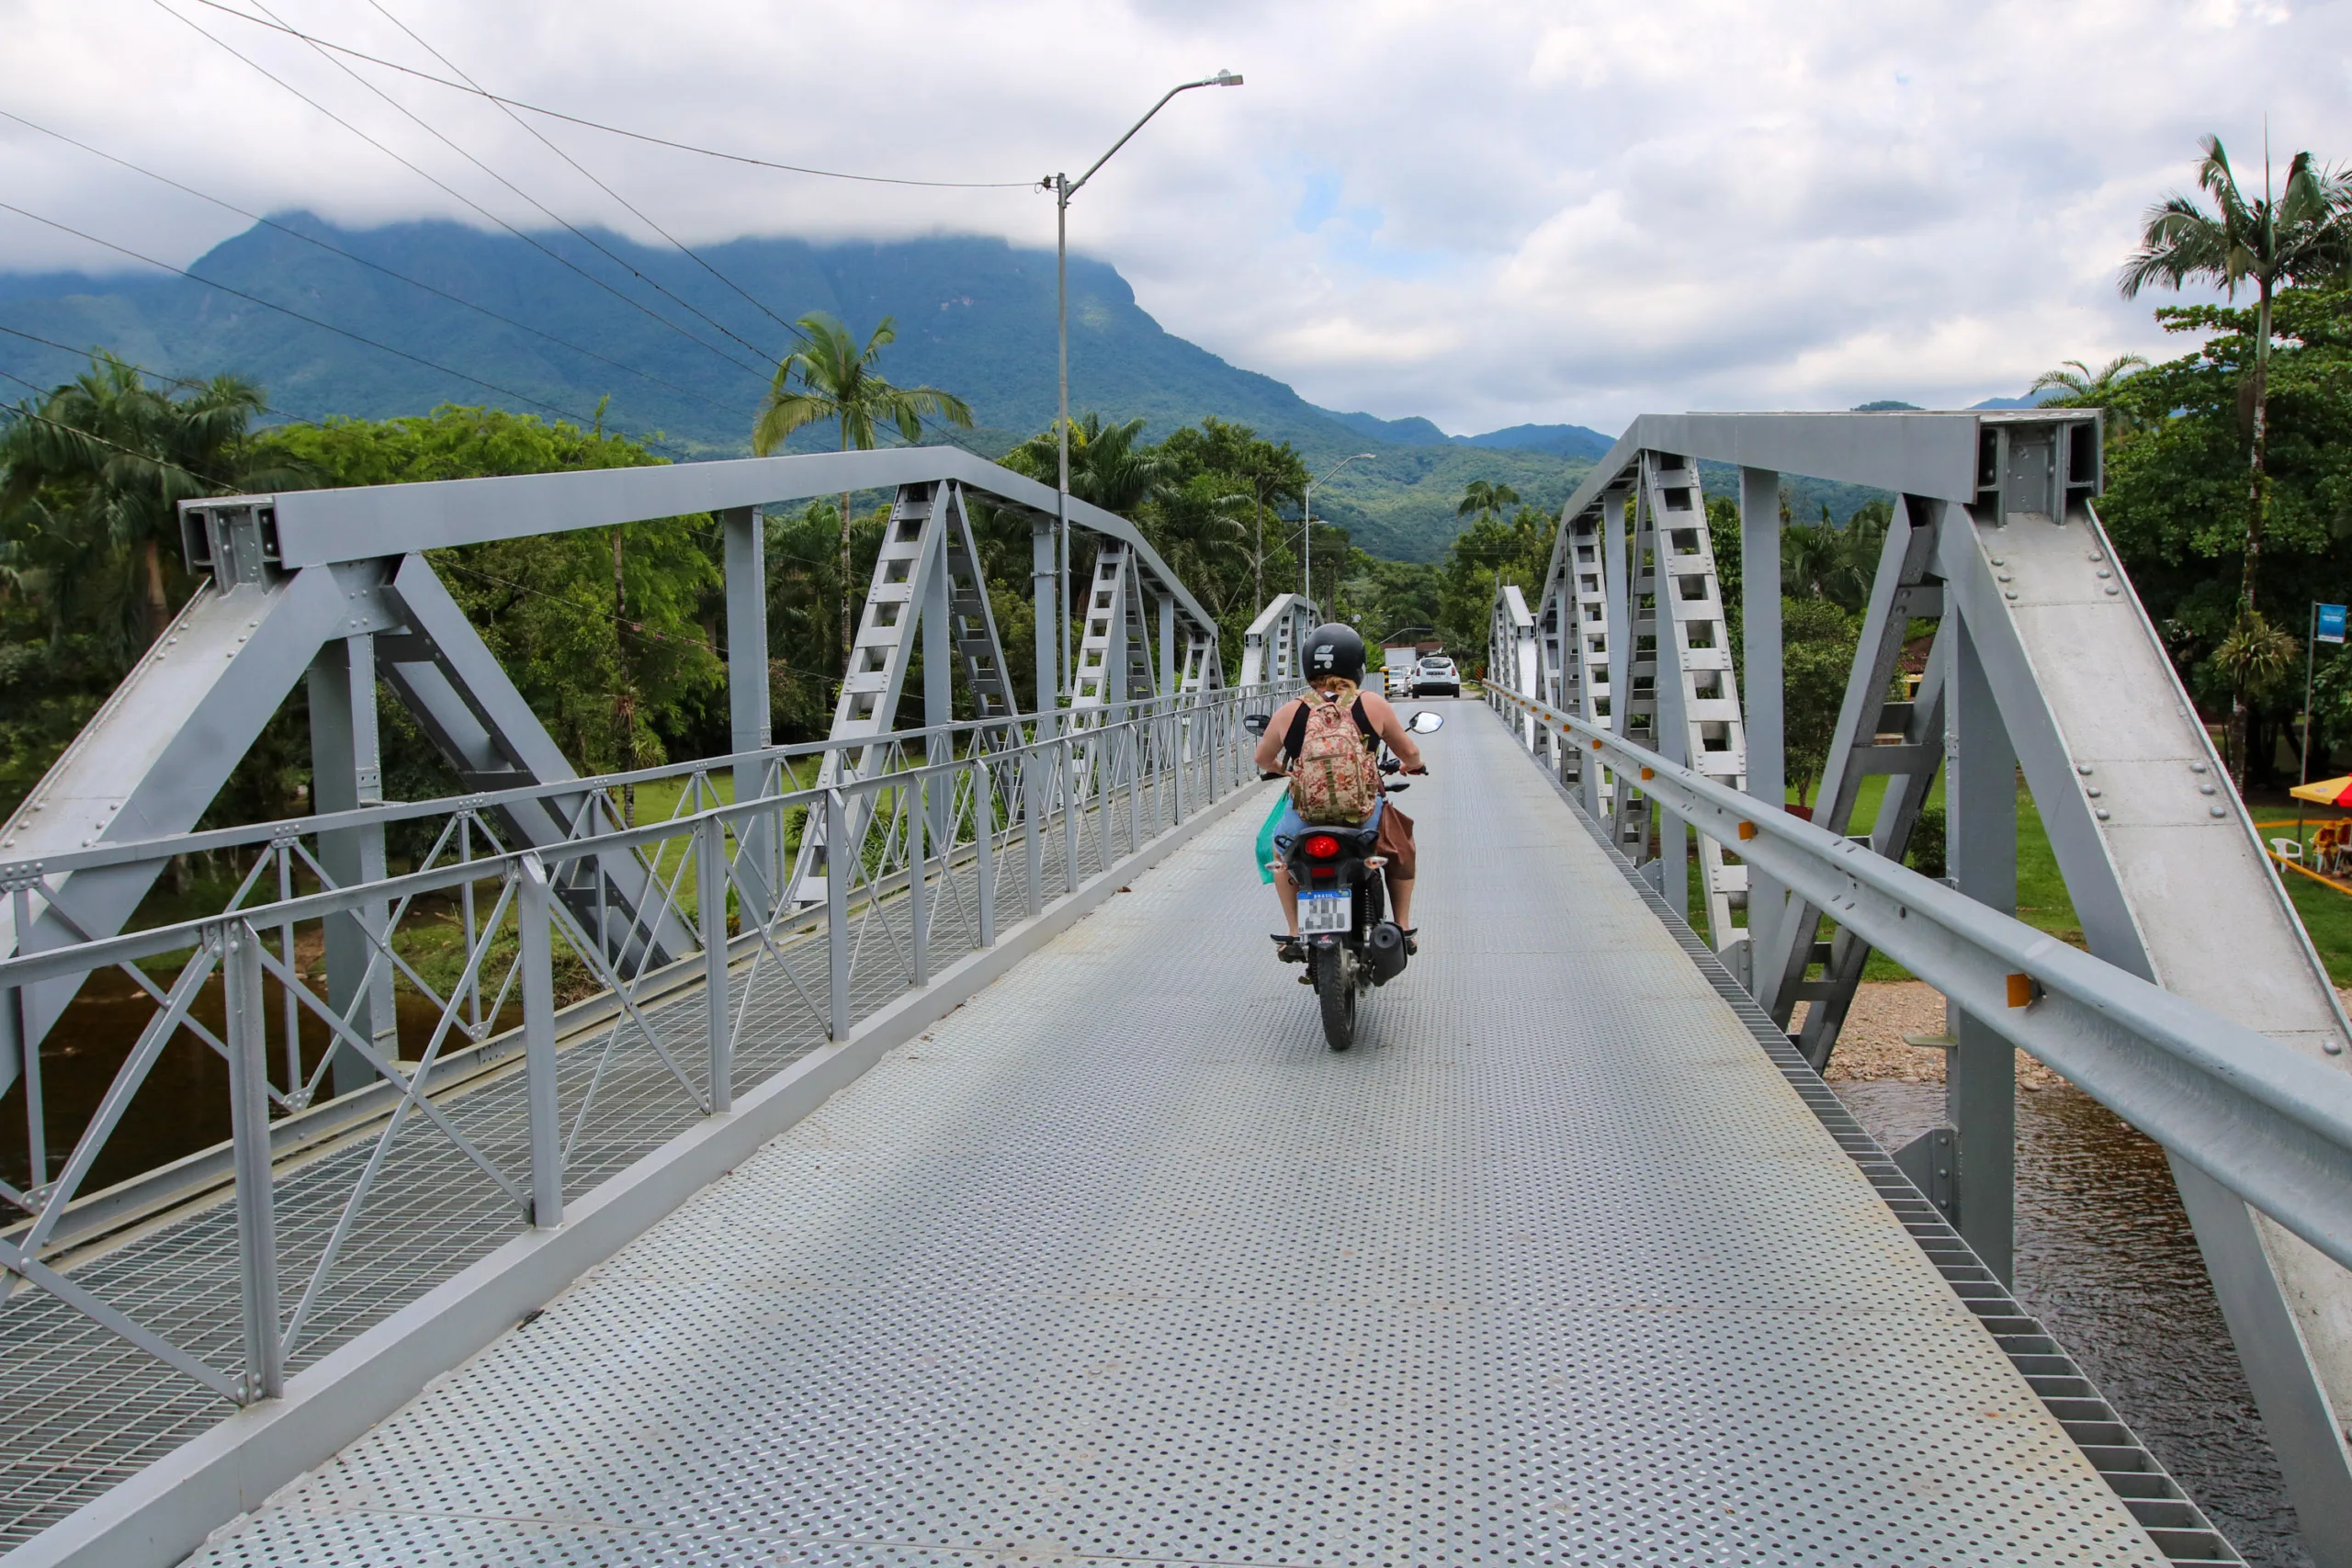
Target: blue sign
<point>2331,623</point>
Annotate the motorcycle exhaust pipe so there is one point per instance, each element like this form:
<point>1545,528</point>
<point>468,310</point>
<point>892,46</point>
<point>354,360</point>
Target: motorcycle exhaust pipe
<point>1384,953</point>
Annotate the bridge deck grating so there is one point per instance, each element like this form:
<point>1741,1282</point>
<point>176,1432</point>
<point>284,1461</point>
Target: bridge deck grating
<point>88,1410</point>
<point>1119,1264</point>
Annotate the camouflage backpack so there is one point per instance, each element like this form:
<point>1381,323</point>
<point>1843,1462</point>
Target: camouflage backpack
<point>1335,779</point>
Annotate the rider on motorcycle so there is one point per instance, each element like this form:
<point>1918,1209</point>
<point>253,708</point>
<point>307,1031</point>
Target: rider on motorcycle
<point>1333,658</point>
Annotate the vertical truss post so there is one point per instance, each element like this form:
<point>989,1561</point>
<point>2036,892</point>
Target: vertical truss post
<point>938,679</point>
<point>1175,760</point>
<point>710,893</point>
<point>1033,828</point>
<point>837,922</point>
<point>917,877</point>
<point>747,689</point>
<point>1619,621</point>
<point>1169,675</point>
<point>1067,771</point>
<point>1588,672</point>
<point>1652,709</point>
<point>984,851</point>
<point>1042,580</point>
<point>1981,787</point>
<point>1697,691</point>
<point>534,912</point>
<point>1763,682</point>
<point>247,1011</point>
<point>346,771</point>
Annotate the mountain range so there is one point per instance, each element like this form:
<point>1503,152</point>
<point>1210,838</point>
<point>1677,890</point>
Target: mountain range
<point>676,348</point>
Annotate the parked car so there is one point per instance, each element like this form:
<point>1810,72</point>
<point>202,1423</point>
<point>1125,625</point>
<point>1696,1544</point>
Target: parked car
<point>1397,680</point>
<point>1436,676</point>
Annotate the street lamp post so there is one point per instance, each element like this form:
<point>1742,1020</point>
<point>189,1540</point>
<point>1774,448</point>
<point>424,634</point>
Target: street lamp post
<point>1064,187</point>
<point>1307,540</point>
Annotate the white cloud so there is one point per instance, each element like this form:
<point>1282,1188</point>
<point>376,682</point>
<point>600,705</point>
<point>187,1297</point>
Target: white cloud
<point>1535,210</point>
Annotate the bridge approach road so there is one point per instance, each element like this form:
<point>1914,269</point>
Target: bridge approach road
<point>1120,1264</point>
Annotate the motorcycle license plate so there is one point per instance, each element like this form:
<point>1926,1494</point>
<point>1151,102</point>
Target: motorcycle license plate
<point>1323,912</point>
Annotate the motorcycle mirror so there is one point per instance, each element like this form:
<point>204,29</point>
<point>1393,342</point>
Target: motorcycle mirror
<point>1255,723</point>
<point>1426,722</point>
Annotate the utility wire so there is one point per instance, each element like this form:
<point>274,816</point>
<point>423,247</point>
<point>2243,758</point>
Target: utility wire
<point>553,217</point>
<point>283,310</point>
<point>444,186</point>
<point>614,130</point>
<point>634,211</point>
<point>350,256</point>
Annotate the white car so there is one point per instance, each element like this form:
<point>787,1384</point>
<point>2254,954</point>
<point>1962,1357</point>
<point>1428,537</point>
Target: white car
<point>1435,675</point>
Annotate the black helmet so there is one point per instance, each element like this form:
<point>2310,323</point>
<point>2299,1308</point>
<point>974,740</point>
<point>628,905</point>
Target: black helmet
<point>1332,650</point>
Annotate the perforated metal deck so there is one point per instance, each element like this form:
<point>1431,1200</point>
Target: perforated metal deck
<point>1120,1264</point>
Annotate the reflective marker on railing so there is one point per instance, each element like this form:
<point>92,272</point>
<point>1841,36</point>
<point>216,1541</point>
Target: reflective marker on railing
<point>2022,990</point>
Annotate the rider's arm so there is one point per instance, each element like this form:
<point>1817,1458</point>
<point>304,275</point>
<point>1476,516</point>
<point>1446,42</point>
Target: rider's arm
<point>1389,727</point>
<point>1269,744</point>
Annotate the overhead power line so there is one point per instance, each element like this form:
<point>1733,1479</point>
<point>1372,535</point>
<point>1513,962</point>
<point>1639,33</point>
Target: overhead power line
<point>634,211</point>
<point>360,260</point>
<point>614,130</point>
<point>456,195</point>
<point>297,315</point>
<point>545,211</point>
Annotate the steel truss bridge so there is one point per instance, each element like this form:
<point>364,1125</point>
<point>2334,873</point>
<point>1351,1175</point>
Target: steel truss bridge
<point>900,1148</point>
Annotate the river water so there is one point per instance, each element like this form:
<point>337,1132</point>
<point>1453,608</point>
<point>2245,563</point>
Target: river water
<point>2106,1259</point>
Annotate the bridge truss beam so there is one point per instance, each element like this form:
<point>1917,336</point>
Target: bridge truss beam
<point>2040,658</point>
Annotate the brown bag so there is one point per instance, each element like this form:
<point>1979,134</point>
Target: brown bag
<point>1335,780</point>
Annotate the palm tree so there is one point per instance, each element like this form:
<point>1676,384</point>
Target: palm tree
<point>1481,501</point>
<point>2085,388</point>
<point>836,380</point>
<point>106,460</point>
<point>1106,467</point>
<point>2305,231</point>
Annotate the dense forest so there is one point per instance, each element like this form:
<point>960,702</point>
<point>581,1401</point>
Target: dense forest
<point>2229,495</point>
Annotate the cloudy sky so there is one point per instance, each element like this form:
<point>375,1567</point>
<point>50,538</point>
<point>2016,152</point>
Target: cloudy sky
<point>1485,214</point>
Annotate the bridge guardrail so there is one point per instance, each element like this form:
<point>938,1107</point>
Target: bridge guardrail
<point>2269,1125</point>
<point>966,826</point>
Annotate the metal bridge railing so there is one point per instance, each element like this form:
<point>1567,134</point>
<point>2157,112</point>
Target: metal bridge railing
<point>541,1036</point>
<point>2271,1125</point>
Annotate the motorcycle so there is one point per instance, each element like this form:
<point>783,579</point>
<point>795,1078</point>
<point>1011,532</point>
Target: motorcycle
<point>1351,945</point>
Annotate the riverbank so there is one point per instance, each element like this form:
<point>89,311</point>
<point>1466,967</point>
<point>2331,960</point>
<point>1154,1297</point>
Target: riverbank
<point>2104,1258</point>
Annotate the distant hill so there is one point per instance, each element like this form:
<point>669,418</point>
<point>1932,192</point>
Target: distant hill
<point>974,316</point>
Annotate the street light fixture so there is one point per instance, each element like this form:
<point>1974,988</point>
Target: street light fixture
<point>1307,508</point>
<point>1064,187</point>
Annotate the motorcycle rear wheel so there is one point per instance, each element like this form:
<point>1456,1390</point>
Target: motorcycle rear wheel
<point>1335,989</point>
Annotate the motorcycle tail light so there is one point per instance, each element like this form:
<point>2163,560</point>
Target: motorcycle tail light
<point>1322,846</point>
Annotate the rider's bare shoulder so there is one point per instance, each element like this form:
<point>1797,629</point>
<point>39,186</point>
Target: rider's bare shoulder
<point>1378,712</point>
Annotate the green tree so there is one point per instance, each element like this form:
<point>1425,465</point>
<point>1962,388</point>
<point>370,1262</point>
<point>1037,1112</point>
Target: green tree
<point>2302,235</point>
<point>1482,499</point>
<point>1817,656</point>
<point>91,475</point>
<point>544,603</point>
<point>1272,473</point>
<point>829,377</point>
<point>2084,388</point>
<point>107,459</point>
<point>1110,465</point>
<point>2175,501</point>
